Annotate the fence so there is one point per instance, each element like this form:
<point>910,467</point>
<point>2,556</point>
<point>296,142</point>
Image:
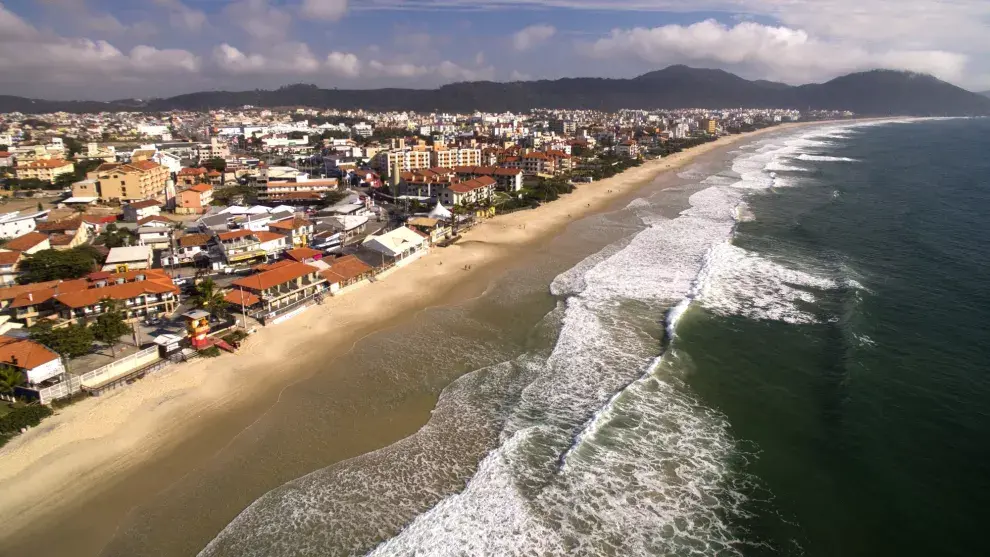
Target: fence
<point>74,383</point>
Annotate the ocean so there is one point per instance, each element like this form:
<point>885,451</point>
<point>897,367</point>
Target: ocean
<point>784,355</point>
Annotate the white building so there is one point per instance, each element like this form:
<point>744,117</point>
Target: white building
<point>403,245</point>
<point>17,224</point>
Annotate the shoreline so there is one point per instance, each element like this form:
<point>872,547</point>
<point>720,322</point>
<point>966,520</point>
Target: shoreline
<point>84,449</point>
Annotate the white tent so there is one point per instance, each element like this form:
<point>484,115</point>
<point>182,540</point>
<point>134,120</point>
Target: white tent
<point>440,212</point>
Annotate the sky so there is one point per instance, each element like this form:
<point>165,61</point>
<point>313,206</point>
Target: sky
<point>112,49</point>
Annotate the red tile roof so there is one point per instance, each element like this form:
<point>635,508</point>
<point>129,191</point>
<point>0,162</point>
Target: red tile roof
<point>24,354</point>
<point>144,204</point>
<point>25,242</point>
<point>192,171</point>
<point>154,218</point>
<point>239,297</point>
<point>234,235</point>
<point>192,240</point>
<point>290,224</point>
<point>72,223</point>
<point>201,188</point>
<point>128,290</point>
<point>345,269</point>
<point>302,254</point>
<point>50,163</point>
<point>275,277</point>
<point>12,292</point>
<point>9,257</point>
<point>266,236</point>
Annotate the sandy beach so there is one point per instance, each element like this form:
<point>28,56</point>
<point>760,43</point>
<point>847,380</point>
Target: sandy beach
<point>85,449</point>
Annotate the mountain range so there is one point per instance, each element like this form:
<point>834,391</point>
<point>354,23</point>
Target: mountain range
<point>872,93</point>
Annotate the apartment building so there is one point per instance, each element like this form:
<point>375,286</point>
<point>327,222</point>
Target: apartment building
<point>298,191</point>
<point>450,157</point>
<point>406,159</point>
<point>125,182</point>
<point>195,200</point>
<point>478,190</point>
<point>507,179</point>
<point>46,170</point>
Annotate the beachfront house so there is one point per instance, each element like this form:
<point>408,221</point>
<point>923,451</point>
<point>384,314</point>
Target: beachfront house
<point>35,361</point>
<point>128,259</point>
<point>401,246</point>
<point>297,229</point>
<point>347,272</point>
<point>281,288</point>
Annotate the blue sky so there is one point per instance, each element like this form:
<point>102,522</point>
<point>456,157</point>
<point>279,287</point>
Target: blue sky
<point>103,49</point>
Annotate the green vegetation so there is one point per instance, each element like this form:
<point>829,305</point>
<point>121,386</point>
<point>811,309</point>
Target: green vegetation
<point>333,197</point>
<point>72,341</point>
<point>114,237</point>
<point>26,416</point>
<point>211,352</point>
<point>10,379</point>
<point>209,298</point>
<point>58,265</point>
<point>222,197</point>
<point>217,164</point>
<point>111,325</point>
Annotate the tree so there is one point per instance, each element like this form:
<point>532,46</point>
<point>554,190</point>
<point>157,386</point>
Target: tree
<point>333,197</point>
<point>71,342</point>
<point>51,264</point>
<point>10,379</point>
<point>209,298</point>
<point>216,163</point>
<point>113,237</point>
<point>110,325</point>
<point>72,146</point>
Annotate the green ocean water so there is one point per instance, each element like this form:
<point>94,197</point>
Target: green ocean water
<point>872,425</point>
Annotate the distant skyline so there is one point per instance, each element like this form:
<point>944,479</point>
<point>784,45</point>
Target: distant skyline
<point>108,49</point>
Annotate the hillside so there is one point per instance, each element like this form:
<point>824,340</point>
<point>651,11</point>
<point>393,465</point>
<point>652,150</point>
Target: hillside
<point>875,93</point>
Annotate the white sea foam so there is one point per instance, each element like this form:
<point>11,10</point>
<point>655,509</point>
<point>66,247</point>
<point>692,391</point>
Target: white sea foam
<point>823,158</point>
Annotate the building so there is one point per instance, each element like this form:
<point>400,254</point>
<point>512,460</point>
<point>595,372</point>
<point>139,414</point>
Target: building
<point>192,176</point>
<point>126,182</point>
<point>402,245</point>
<point>406,159</point>
<point>134,212</point>
<point>711,126</point>
<point>35,361</point>
<point>194,200</point>
<point>301,189</point>
<point>298,230</point>
<point>126,259</point>
<point>155,232</point>
<point>507,179</point>
<point>450,157</point>
<point>476,191</point>
<point>17,224</point>
<point>141,293</point>
<point>67,233</point>
<point>46,170</point>
<point>563,127</point>
<point>9,267</point>
<point>347,271</point>
<point>283,287</point>
<point>190,248</point>
<point>29,243</point>
<point>6,159</point>
<point>628,149</point>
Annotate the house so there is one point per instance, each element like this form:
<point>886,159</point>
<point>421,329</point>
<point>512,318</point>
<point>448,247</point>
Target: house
<point>435,229</point>
<point>300,190</point>
<point>628,149</point>
<point>195,200</point>
<point>155,236</point>
<point>272,243</point>
<point>133,212</point>
<point>171,162</point>
<point>128,259</point>
<point>66,233</point>
<point>283,287</point>
<point>98,223</point>
<point>141,293</point>
<point>299,230</point>
<point>6,159</point>
<point>347,271</point>
<point>402,245</point>
<point>191,247</point>
<point>125,182</point>
<point>17,224</point>
<point>304,255</point>
<point>9,263</point>
<point>32,242</point>
<point>44,170</point>
<point>35,361</point>
<point>191,176</point>
<point>348,226</point>
<point>507,179</point>
<point>239,246</point>
<point>477,191</point>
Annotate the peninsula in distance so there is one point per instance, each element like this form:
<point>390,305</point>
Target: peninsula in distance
<point>871,93</point>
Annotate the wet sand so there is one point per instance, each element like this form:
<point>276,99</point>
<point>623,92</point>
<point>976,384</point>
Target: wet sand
<point>84,473</point>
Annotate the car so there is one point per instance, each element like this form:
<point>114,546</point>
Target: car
<point>179,281</point>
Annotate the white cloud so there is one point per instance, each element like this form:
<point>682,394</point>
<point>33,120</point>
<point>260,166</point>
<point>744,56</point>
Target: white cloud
<point>774,52</point>
<point>259,19</point>
<point>397,70</point>
<point>344,64</point>
<point>479,59</point>
<point>451,71</point>
<point>446,71</point>
<point>516,75</point>
<point>532,36</point>
<point>183,17</point>
<point>331,10</point>
<point>30,55</point>
<point>290,58</point>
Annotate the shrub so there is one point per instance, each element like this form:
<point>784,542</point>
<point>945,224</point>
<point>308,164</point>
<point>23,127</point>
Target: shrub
<point>211,352</point>
<point>29,416</point>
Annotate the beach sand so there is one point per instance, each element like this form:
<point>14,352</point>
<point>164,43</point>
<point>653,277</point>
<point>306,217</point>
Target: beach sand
<point>91,451</point>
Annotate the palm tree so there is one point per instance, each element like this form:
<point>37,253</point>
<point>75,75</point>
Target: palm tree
<point>209,298</point>
<point>10,379</point>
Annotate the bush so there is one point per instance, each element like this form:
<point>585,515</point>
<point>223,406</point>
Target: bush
<point>211,352</point>
<point>29,416</point>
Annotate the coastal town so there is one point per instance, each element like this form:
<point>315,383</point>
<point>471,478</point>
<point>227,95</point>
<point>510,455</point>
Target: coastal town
<point>132,242</point>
